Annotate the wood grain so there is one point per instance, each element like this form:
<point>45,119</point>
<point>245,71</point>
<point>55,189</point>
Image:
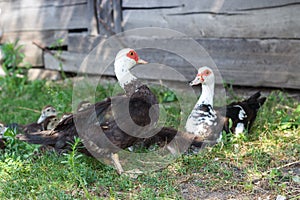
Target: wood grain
<point>251,62</point>
<point>219,18</point>
<point>38,15</point>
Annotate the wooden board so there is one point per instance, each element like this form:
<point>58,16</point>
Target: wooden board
<point>251,62</point>
<point>41,74</point>
<point>82,42</point>
<point>33,54</point>
<point>218,18</point>
<point>36,15</point>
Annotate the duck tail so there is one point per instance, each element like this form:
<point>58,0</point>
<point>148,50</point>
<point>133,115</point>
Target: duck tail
<point>254,97</point>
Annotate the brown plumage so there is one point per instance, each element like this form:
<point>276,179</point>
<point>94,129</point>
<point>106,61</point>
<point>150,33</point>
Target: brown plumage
<point>115,123</point>
<point>102,124</point>
<point>83,105</point>
<point>35,127</point>
<point>103,127</point>
<point>47,115</point>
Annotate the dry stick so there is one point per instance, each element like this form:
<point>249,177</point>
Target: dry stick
<point>287,165</point>
<point>106,27</point>
<point>48,51</point>
<point>280,167</point>
<point>24,108</point>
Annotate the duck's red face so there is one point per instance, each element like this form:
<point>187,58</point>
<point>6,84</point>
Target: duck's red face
<point>133,55</point>
<point>202,75</point>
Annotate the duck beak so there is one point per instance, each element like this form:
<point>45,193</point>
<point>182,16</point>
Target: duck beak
<point>41,119</point>
<point>140,61</point>
<point>196,81</point>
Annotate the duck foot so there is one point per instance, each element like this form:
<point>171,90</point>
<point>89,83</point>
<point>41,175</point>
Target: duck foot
<point>116,162</point>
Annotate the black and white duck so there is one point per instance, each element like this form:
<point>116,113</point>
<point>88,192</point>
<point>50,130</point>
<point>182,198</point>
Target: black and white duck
<point>243,113</point>
<point>204,122</point>
<point>207,122</point>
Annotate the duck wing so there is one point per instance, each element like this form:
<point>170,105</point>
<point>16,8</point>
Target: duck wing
<point>104,124</point>
<point>206,123</point>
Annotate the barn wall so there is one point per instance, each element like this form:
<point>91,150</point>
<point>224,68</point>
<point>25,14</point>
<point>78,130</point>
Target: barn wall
<point>253,43</point>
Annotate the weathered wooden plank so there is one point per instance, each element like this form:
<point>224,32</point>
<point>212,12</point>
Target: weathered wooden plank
<point>37,3</point>
<point>105,17</point>
<point>150,4</point>
<point>250,62</point>
<point>71,63</point>
<point>117,15</point>
<point>36,16</point>
<point>83,42</point>
<point>33,54</point>
<point>208,5</point>
<point>40,74</point>
<point>92,13</point>
<point>238,19</point>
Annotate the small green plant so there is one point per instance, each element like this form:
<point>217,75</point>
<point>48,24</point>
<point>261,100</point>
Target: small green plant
<point>71,159</point>
<point>16,148</point>
<point>12,56</point>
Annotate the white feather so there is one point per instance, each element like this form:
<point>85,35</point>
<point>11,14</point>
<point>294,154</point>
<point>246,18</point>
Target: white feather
<point>239,128</point>
<point>242,113</point>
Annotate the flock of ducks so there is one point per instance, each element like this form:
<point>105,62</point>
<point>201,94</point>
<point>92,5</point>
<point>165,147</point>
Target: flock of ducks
<point>122,121</point>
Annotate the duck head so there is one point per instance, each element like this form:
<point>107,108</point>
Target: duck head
<point>83,105</point>
<point>204,76</point>
<point>125,60</point>
<point>47,111</point>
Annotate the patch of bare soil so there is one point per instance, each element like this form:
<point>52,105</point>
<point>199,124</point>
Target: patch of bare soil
<point>191,191</point>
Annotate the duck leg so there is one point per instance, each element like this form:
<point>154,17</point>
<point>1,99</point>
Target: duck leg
<point>116,162</point>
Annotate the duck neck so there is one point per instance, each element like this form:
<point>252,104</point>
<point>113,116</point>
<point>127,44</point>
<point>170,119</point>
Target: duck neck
<point>207,94</point>
<point>124,76</point>
<point>126,79</point>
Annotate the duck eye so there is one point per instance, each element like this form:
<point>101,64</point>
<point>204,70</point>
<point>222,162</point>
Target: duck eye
<point>131,53</point>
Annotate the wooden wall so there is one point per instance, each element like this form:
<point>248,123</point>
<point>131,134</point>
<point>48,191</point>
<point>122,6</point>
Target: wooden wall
<point>253,43</point>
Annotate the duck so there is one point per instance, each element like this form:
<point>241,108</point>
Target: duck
<point>243,113</point>
<point>207,122</point>
<point>104,126</point>
<point>47,113</point>
<point>204,121</point>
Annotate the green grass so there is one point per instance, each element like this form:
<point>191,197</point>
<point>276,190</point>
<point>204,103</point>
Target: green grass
<point>261,163</point>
